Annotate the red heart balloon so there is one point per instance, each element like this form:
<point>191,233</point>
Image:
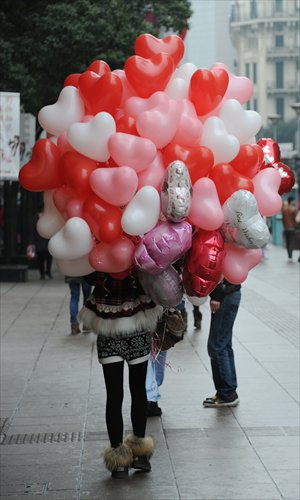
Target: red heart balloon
<point>207,89</point>
<point>61,197</point>
<point>198,159</point>
<point>100,67</point>
<point>287,177</point>
<point>72,80</point>
<point>42,172</point>
<point>248,160</point>
<point>100,93</point>
<point>104,219</point>
<point>271,151</point>
<point>149,75</point>
<point>127,125</point>
<point>148,45</point>
<point>202,269</point>
<point>227,181</point>
<point>76,170</point>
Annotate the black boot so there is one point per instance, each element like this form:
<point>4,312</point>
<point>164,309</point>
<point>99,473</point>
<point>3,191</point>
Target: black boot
<point>185,318</point>
<point>197,317</point>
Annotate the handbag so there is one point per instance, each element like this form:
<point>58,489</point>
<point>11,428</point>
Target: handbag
<point>170,330</point>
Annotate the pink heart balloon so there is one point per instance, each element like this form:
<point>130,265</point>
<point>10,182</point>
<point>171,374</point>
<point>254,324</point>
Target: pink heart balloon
<point>266,185</point>
<point>116,185</point>
<point>238,261</point>
<point>134,106</point>
<point>74,207</point>
<point>131,150</point>
<point>190,127</point>
<point>153,175</point>
<point>159,124</point>
<point>113,257</point>
<point>206,211</point>
<point>239,87</point>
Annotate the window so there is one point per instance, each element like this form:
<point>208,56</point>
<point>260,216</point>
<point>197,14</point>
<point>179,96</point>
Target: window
<point>254,73</point>
<point>279,41</point>
<point>280,107</point>
<point>255,104</point>
<point>279,5</point>
<point>253,9</point>
<point>247,69</point>
<point>278,26</point>
<point>279,75</point>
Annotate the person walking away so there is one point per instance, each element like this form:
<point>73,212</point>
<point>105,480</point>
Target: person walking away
<point>75,284</point>
<point>289,212</point>
<point>123,316</point>
<point>224,305</point>
<point>44,257</point>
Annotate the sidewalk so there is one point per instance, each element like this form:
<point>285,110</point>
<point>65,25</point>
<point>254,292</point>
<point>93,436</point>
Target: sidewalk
<point>53,402</point>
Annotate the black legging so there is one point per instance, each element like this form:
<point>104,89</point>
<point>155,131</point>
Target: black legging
<point>113,376</point>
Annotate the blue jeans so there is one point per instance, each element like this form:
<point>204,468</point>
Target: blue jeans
<point>155,375</point>
<point>75,296</point>
<point>220,345</point>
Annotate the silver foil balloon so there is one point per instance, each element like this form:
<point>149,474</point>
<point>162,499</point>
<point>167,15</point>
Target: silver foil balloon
<point>165,289</point>
<point>176,192</point>
<point>243,224</point>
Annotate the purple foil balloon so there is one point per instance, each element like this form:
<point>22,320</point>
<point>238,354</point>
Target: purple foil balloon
<point>165,289</point>
<point>162,246</point>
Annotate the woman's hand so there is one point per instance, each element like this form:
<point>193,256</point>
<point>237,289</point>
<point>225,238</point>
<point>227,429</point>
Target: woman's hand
<point>214,306</point>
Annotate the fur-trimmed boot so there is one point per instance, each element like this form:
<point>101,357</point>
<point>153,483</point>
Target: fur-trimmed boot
<point>142,450</point>
<point>117,460</point>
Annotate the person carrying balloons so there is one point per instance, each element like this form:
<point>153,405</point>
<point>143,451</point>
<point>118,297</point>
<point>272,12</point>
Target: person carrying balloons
<point>224,304</point>
<point>123,316</point>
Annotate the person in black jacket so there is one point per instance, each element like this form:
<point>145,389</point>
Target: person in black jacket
<point>224,304</point>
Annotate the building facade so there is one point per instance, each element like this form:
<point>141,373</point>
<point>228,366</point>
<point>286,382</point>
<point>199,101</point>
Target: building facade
<point>265,34</point>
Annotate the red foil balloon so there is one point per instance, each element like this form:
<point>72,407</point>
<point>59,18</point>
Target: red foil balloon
<point>287,177</point>
<point>271,152</point>
<point>202,269</point>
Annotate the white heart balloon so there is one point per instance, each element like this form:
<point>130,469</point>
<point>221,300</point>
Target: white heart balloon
<point>142,212</point>
<point>185,72</point>
<point>196,301</point>
<point>75,267</point>
<point>50,221</point>
<point>224,146</point>
<point>239,122</point>
<point>177,89</point>
<point>73,241</point>
<point>69,108</point>
<point>243,223</point>
<point>91,138</point>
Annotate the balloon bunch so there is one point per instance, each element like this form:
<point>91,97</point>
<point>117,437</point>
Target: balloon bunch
<point>147,163</point>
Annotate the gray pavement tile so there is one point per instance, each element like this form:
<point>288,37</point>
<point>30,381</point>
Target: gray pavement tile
<point>277,452</point>
<point>287,481</point>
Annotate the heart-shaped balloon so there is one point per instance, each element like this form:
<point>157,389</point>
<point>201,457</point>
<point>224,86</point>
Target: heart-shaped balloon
<point>271,151</point>
<point>207,89</point>
<point>248,160</point>
<point>266,184</point>
<point>239,261</point>
<point>165,289</point>
<point>162,246</point>
<point>176,192</point>
<point>149,75</point>
<point>103,218</point>
<point>227,181</point>
<point>142,212</point>
<point>127,90</point>
<point>50,220</point>
<point>69,108</point>
<point>114,185</point>
<point>239,122</point>
<point>72,241</point>
<point>134,106</point>
<point>76,170</point>
<point>75,267</point>
<point>127,125</point>
<point>72,80</point>
<point>91,139</point>
<point>100,93</point>
<point>147,45</point>
<point>224,145</point>
<point>63,143</point>
<point>206,211</point>
<point>135,152</point>
<point>74,206</point>
<point>177,88</point>
<point>198,159</point>
<point>61,196</point>
<point>113,257</point>
<point>159,124</point>
<point>202,269</point>
<point>100,67</point>
<point>287,177</point>
<point>239,87</point>
<point>190,127</point>
<point>153,175</point>
<point>243,223</point>
<point>42,172</point>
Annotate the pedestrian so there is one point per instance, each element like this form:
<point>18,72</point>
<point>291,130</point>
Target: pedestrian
<point>75,284</point>
<point>197,317</point>
<point>289,212</point>
<point>154,379</point>
<point>224,304</point>
<point>44,257</point>
<point>123,316</point>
